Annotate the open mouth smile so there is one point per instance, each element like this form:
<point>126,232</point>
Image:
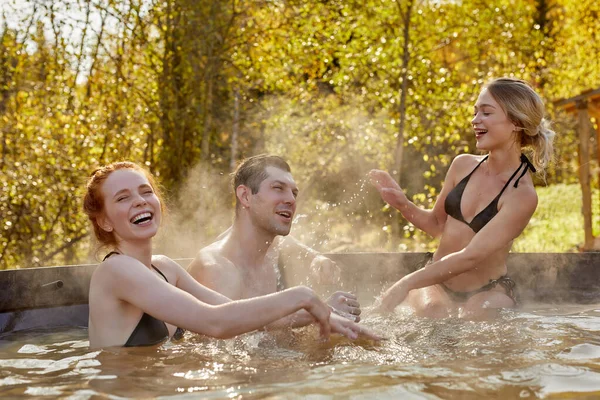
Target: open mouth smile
<point>287,215</point>
<point>142,218</point>
<point>480,132</point>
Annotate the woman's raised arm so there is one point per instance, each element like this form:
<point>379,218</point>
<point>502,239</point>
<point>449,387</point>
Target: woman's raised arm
<point>429,221</point>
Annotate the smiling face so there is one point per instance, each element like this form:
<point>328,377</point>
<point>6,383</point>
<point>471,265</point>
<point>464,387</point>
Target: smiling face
<point>493,129</point>
<point>273,207</point>
<point>131,209</point>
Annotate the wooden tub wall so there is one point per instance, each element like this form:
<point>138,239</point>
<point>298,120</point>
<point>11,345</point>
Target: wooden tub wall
<point>57,296</point>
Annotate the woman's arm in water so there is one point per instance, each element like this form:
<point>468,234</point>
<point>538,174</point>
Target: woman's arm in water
<point>129,280</point>
<point>429,221</point>
<point>298,319</point>
<point>497,234</point>
<point>339,324</point>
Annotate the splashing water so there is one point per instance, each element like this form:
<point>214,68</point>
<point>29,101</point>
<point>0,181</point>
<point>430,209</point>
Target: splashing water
<point>534,354</point>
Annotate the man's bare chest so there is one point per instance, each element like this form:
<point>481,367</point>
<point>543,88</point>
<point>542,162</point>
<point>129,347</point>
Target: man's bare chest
<point>259,281</point>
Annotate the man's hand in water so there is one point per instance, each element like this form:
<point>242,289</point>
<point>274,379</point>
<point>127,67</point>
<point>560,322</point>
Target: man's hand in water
<point>350,329</point>
<point>324,271</point>
<point>388,188</point>
<point>346,305</point>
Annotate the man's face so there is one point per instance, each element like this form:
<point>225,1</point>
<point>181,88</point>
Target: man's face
<point>273,207</point>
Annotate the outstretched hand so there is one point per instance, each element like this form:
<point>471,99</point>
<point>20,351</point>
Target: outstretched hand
<point>317,308</point>
<point>345,304</point>
<point>389,190</point>
<point>350,329</point>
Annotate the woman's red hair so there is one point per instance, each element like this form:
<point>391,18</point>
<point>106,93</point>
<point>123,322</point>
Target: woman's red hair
<point>93,201</point>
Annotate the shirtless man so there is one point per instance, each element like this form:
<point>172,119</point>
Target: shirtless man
<point>244,261</point>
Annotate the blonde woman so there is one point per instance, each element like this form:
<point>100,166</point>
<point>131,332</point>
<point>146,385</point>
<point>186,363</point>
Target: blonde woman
<point>485,203</point>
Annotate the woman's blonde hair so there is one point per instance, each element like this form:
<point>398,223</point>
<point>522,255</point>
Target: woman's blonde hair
<point>525,108</point>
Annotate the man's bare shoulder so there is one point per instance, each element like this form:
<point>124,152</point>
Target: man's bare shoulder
<point>211,254</point>
<point>208,254</point>
<point>212,269</point>
<point>210,262</point>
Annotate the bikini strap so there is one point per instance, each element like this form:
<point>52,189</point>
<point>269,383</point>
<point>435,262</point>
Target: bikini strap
<point>480,162</point>
<point>110,254</point>
<point>475,169</point>
<point>511,178</point>
<point>152,265</point>
<point>158,270</point>
<point>528,164</point>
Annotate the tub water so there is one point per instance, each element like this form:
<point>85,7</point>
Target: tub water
<point>541,352</point>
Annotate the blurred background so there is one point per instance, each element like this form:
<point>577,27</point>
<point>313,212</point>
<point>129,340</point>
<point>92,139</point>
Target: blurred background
<point>189,88</point>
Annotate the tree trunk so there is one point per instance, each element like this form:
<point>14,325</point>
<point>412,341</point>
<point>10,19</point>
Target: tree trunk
<point>236,128</point>
<point>207,119</point>
<point>399,152</point>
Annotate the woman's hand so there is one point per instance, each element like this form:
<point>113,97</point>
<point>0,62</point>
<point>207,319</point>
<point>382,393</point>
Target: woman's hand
<point>315,307</point>
<point>350,329</point>
<point>388,188</point>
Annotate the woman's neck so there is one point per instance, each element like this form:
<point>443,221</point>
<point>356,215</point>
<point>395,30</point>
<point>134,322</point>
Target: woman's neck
<point>503,161</point>
<point>141,251</point>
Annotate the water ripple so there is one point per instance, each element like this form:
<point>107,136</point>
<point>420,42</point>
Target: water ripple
<point>520,354</point>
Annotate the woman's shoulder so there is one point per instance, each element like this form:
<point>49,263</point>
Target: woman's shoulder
<point>118,264</point>
<point>163,260</point>
<point>166,263</point>
<point>522,198</point>
<point>116,269</point>
<point>462,164</point>
<point>467,159</point>
<point>525,191</point>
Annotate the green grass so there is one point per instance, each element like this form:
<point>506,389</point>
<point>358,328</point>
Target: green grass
<point>557,225</point>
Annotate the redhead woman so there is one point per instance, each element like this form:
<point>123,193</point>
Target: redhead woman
<point>485,203</point>
<point>138,299</point>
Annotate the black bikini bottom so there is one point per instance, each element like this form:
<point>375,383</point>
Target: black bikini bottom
<point>178,335</point>
<point>506,282</point>
<point>460,297</point>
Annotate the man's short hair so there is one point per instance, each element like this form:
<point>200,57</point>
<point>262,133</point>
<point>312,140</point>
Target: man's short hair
<point>252,171</point>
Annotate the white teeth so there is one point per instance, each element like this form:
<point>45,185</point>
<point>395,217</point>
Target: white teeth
<point>285,214</point>
<point>141,216</point>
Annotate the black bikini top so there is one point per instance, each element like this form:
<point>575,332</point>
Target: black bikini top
<point>453,200</point>
<point>149,331</point>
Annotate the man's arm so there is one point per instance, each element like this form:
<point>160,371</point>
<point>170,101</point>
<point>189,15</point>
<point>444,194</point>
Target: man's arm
<point>220,275</point>
<point>296,257</point>
<point>322,271</point>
